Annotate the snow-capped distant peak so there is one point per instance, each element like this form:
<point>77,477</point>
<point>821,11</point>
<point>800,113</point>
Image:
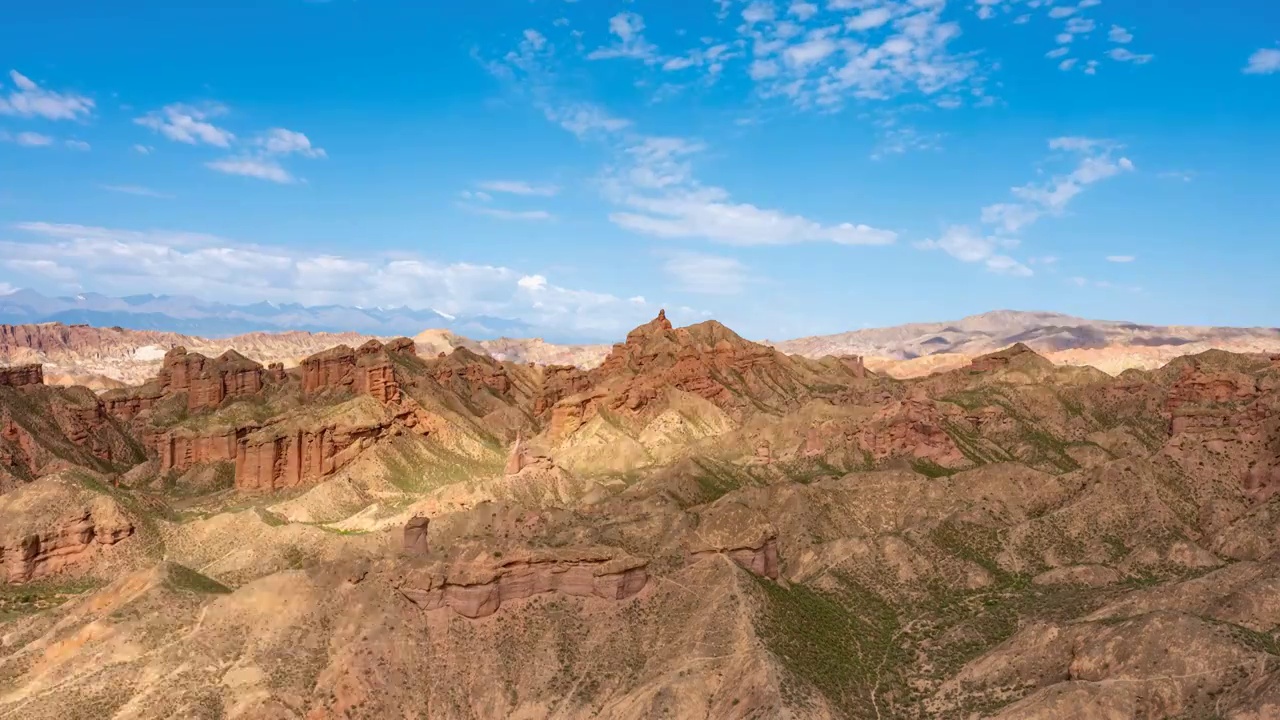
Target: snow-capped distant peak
<point>80,298</point>
<point>444,315</point>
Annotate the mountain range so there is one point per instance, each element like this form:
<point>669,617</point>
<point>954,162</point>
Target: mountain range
<point>696,525</point>
<point>192,316</point>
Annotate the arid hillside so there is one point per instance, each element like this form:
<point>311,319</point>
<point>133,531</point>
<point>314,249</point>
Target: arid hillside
<point>696,526</point>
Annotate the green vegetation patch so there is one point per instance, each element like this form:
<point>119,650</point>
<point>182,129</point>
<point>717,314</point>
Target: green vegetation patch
<point>183,579</point>
<point>844,643</point>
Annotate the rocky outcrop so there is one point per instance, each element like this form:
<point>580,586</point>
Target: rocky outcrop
<point>517,459</point>
<point>181,451</point>
<point>49,526</point>
<point>271,459</point>
<point>209,382</point>
<point>559,382</point>
<point>912,427</point>
<point>477,586</point>
<point>21,375</point>
<point>740,533</point>
<point>415,535</point>
<point>367,370</point>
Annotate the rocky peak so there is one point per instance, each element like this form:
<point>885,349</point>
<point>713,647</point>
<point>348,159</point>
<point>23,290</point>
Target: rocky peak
<point>1016,355</point>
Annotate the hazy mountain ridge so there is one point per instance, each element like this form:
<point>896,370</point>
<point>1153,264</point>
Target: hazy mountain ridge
<point>192,316</point>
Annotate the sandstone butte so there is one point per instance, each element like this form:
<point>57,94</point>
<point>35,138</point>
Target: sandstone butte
<point>697,526</point>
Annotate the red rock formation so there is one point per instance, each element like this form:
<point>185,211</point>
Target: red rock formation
<point>912,427</point>
<point>477,588</point>
<point>367,370</point>
<point>208,382</point>
<point>559,382</point>
<point>181,452</point>
<point>855,364</point>
<point>415,535</point>
<point>39,554</point>
<point>266,461</point>
<point>21,375</point>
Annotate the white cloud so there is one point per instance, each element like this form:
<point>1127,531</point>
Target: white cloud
<point>255,167</point>
<point>77,145</point>
<point>32,139</point>
<point>1183,175</point>
<point>1057,52</point>
<point>30,100</point>
<point>1080,26</point>
<point>1062,11</point>
<point>1263,62</point>
<point>279,141</point>
<point>519,187</point>
<point>966,245</point>
<point>869,19</point>
<point>143,149</point>
<point>585,119</point>
<point>1119,35</point>
<point>135,190</point>
<point>628,28</point>
<point>707,274</point>
<point>663,199</point>
<point>1124,55</point>
<point>475,195</point>
<point>507,214</point>
<point>188,124</point>
<point>802,10</point>
<point>7,289</point>
<point>1067,64</point>
<point>126,262</point>
<point>532,283</point>
<point>875,51</point>
<point>1121,258</point>
<point>1096,162</point>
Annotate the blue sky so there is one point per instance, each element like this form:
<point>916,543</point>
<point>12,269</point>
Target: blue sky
<point>789,168</point>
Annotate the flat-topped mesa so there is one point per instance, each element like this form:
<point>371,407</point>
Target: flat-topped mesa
<point>208,382</point>
<point>22,375</point>
<point>365,370</point>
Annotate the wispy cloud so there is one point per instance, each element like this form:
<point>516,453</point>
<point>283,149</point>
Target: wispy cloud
<point>628,29</point>
<point>651,179</point>
<point>706,274</point>
<point>655,182</point>
<point>1263,62</point>
<point>30,100</point>
<point>136,190</point>
<point>518,187</point>
<point>32,139</point>
<point>1096,161</point>
<point>966,245</point>
<point>77,145</point>
<point>279,141</point>
<point>1121,258</point>
<point>189,124</point>
<point>143,149</point>
<point>504,214</point>
<point>254,167</point>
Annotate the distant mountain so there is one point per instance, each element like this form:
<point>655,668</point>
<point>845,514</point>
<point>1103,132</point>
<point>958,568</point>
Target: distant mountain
<point>192,316</point>
<point>1110,345</point>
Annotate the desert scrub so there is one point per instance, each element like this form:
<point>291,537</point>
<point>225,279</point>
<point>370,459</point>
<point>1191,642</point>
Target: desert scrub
<point>845,644</point>
<point>183,579</point>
